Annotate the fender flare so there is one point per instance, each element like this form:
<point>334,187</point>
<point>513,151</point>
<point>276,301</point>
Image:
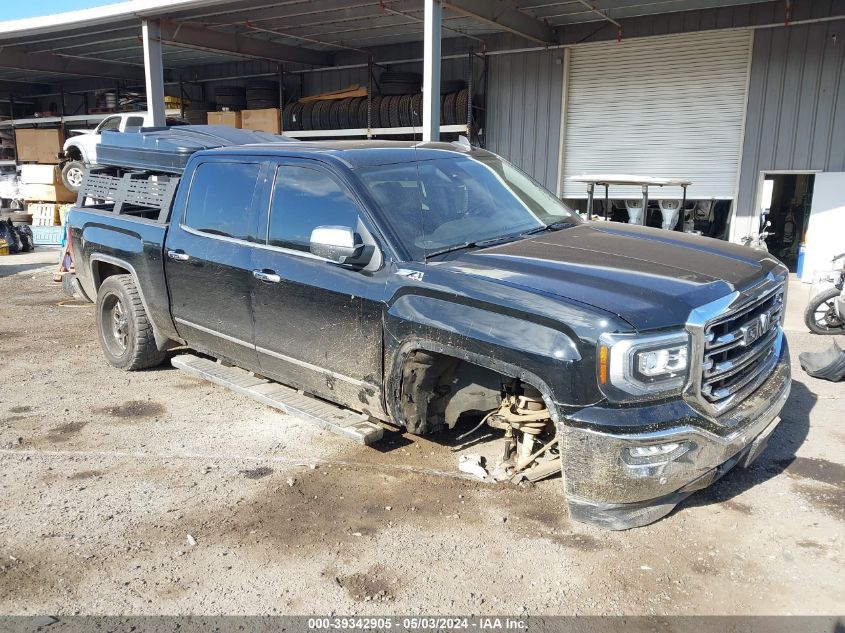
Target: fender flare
<point>162,341</point>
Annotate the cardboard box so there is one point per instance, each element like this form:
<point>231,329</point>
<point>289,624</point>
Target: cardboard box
<point>39,146</point>
<point>40,175</point>
<point>262,120</point>
<point>232,119</point>
<point>47,193</point>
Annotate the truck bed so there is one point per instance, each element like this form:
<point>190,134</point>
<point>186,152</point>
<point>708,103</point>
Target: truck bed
<point>102,238</point>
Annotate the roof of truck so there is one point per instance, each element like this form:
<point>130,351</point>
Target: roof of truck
<point>353,153</point>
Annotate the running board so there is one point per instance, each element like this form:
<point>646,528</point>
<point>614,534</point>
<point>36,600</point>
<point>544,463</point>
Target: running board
<point>343,422</point>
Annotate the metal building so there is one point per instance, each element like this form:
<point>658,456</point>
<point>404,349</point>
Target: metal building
<point>744,98</point>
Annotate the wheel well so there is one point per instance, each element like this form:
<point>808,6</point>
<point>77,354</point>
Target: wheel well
<point>74,153</point>
<point>437,389</point>
<point>103,270</point>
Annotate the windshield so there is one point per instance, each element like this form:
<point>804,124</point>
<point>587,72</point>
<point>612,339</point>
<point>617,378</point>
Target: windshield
<point>439,204</point>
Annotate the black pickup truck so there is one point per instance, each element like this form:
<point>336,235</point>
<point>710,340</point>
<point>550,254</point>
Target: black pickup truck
<point>417,283</point>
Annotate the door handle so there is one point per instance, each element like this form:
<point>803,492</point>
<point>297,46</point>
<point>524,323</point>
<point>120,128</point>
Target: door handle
<point>179,256</point>
<point>263,275</point>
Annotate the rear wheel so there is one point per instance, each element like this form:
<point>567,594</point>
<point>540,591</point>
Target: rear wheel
<point>820,315</point>
<point>125,331</point>
<point>73,173</point>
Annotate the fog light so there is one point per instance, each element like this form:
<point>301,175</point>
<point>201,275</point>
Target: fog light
<point>655,453</point>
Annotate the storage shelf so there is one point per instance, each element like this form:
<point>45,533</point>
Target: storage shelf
<point>76,118</point>
<point>376,131</point>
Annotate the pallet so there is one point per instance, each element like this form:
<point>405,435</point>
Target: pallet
<point>337,420</point>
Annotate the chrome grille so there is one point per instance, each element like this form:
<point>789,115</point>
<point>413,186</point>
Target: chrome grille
<point>738,347</point>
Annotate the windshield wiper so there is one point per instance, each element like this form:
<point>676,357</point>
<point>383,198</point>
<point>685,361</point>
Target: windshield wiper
<point>554,226</point>
<point>450,249</point>
<point>476,244</point>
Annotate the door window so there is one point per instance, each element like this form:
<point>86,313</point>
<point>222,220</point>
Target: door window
<point>303,199</point>
<point>112,123</point>
<point>220,199</point>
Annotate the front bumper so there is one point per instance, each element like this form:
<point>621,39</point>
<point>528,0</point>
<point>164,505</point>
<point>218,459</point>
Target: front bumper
<point>606,487</point>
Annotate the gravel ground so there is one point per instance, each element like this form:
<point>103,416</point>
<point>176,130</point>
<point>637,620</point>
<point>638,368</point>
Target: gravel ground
<point>156,493</point>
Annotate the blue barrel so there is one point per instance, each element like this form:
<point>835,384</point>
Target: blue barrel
<point>799,266</point>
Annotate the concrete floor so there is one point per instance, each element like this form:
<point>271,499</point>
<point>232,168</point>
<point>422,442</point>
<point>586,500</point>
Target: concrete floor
<point>104,475</point>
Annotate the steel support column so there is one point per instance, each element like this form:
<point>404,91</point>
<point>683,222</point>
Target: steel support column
<point>431,70</point>
<point>153,71</point>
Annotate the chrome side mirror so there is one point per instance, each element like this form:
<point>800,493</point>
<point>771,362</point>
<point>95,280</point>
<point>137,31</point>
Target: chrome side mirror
<point>339,244</point>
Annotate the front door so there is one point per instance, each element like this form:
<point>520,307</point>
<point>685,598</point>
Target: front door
<point>208,260</point>
<point>318,325</point>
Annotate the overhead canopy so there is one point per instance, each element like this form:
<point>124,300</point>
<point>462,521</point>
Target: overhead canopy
<point>104,42</point>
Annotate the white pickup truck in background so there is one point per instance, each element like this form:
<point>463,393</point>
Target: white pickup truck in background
<point>80,150</point>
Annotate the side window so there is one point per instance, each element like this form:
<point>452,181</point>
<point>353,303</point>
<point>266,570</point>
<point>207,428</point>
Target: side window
<point>112,123</point>
<point>303,199</point>
<point>220,199</point>
<point>134,121</point>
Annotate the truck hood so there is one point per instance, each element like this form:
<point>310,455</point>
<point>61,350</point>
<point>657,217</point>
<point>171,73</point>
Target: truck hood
<point>650,277</point>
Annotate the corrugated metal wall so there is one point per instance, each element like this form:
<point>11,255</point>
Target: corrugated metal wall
<point>795,118</point>
<point>523,111</point>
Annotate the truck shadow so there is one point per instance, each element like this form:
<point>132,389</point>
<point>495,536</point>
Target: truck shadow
<point>779,454</point>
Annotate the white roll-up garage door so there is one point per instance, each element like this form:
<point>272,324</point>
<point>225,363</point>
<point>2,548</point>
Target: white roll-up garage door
<point>669,106</point>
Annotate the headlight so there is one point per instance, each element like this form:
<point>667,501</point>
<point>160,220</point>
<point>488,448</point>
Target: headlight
<point>632,367</point>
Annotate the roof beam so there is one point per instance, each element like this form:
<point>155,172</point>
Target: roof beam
<point>502,14</point>
<point>16,57</point>
<point>189,36</point>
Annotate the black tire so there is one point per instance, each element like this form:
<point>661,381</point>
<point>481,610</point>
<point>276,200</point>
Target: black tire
<point>305,115</point>
<point>296,117</point>
<point>287,112</point>
<point>416,109</point>
<point>375,111</point>
<point>73,173</point>
<point>448,115</point>
<point>326,115</point>
<point>393,108</point>
<point>820,314</point>
<point>124,330</point>
<point>461,103</point>
<point>335,113</point>
<point>384,112</point>
<point>405,114</point>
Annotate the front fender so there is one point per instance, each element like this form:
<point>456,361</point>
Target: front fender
<point>72,145</point>
<point>545,356</point>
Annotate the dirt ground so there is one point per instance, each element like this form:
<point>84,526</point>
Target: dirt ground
<point>156,493</point>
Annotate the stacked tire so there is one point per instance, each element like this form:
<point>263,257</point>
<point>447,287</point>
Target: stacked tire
<point>197,112</point>
<point>403,110</point>
<point>398,83</point>
<point>232,98</point>
<point>261,95</point>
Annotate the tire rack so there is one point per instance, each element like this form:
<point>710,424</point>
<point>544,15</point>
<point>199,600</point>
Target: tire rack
<point>470,129</point>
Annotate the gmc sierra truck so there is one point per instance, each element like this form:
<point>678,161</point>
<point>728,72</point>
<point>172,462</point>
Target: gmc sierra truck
<point>420,284</point>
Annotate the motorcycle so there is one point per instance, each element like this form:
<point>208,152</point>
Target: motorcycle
<point>825,312</point>
<point>758,240</point>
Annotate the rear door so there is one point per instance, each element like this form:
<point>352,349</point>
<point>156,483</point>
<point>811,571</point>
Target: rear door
<point>208,258</point>
<point>318,325</point>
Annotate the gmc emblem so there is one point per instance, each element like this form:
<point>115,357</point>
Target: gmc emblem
<point>757,328</point>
